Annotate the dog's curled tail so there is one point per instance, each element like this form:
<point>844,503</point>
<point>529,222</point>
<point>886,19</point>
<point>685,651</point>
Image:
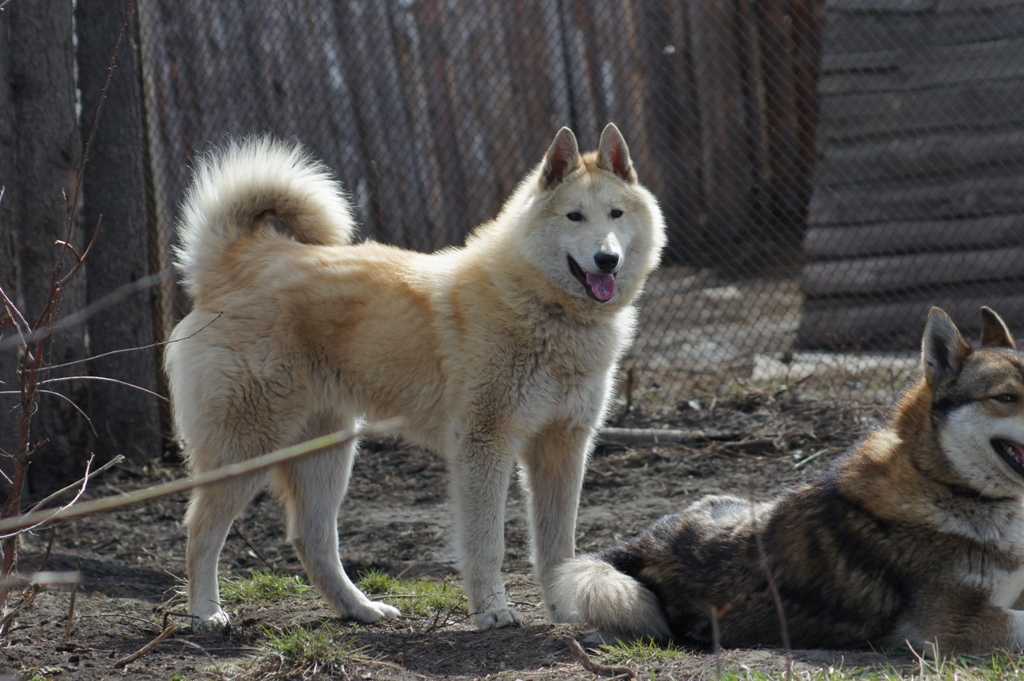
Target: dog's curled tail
<point>593,591</point>
<point>250,183</point>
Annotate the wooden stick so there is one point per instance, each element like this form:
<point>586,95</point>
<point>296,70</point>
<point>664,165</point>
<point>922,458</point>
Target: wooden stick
<point>645,437</point>
<point>128,659</point>
<point>595,667</point>
<point>213,477</point>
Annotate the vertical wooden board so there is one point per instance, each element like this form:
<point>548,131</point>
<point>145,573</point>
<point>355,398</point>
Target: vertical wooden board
<point>326,122</point>
<point>415,33</point>
<point>462,32</point>
<point>8,255</point>
<point>674,129</point>
<point>423,59</point>
<point>577,25</point>
<point>535,47</point>
<point>382,122</point>
<point>47,151</point>
<point>808,25</point>
<point>725,136</point>
<point>173,91</point>
<point>115,194</point>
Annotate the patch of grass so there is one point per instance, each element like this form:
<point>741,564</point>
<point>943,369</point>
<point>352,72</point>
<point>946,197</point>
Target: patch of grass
<point>420,597</point>
<point>297,653</point>
<point>262,586</point>
<point>302,647</point>
<point>640,651</point>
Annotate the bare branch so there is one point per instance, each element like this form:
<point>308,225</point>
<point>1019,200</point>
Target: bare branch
<point>54,393</point>
<point>16,317</point>
<point>81,491</point>
<point>103,379</point>
<point>80,317</point>
<point>134,349</point>
<point>216,476</point>
<point>81,481</point>
<point>128,659</point>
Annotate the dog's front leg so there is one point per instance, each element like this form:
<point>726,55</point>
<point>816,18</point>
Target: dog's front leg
<point>554,464</point>
<point>480,477</point>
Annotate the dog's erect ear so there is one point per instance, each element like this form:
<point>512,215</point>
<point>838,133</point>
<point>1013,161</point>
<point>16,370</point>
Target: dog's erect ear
<point>562,158</point>
<point>943,349</point>
<point>994,333</point>
<point>613,154</point>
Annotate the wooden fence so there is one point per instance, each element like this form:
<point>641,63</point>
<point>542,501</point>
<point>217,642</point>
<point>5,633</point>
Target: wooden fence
<point>919,195</point>
<point>429,112</point>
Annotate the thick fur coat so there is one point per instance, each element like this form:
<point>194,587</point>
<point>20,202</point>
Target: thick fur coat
<point>916,536</point>
<point>498,352</point>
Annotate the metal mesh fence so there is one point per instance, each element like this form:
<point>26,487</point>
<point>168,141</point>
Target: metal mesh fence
<point>828,170</point>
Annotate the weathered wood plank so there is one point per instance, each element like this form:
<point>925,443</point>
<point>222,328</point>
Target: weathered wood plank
<point>47,151</point>
<point>725,148</point>
<point>834,324</point>
<point>915,67</point>
<point>115,193</point>
<point>871,31</point>
<point>947,154</point>
<point>897,7</point>
<point>673,170</point>
<point>8,249</point>
<point>897,238</point>
<point>978,196</point>
<point>965,108</point>
<point>897,274</point>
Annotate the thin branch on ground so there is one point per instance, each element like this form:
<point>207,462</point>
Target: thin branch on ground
<point>128,659</point>
<point>597,668</point>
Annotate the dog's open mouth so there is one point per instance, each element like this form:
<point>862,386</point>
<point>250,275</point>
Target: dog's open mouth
<point>600,287</point>
<point>1011,452</point>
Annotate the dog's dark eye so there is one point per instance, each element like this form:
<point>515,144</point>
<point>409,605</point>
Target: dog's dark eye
<point>1006,398</point>
<point>616,213</point>
<point>575,216</point>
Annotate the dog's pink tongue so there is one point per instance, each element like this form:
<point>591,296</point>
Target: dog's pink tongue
<point>1018,451</point>
<point>602,286</point>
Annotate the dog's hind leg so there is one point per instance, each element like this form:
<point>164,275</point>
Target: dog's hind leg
<point>210,514</point>
<point>313,490</point>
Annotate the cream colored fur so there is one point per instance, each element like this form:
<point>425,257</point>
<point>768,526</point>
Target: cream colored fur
<point>592,591</point>
<point>493,354</point>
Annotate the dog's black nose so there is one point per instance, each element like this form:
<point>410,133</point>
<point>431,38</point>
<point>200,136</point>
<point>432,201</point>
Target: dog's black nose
<point>606,262</point>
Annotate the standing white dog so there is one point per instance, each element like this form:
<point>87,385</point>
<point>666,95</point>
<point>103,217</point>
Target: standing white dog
<point>501,351</point>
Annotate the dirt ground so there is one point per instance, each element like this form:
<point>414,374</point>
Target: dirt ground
<point>395,519</point>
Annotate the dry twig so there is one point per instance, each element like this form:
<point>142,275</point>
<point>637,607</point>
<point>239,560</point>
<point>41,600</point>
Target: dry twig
<point>128,659</point>
<point>593,667</point>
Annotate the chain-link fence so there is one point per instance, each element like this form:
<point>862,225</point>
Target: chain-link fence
<point>827,169</point>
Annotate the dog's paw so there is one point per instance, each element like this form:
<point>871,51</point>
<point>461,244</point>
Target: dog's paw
<point>369,612</point>
<point>496,618</point>
<point>217,620</point>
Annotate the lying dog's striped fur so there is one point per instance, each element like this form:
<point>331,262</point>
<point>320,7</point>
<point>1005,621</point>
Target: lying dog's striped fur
<point>917,536</point>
